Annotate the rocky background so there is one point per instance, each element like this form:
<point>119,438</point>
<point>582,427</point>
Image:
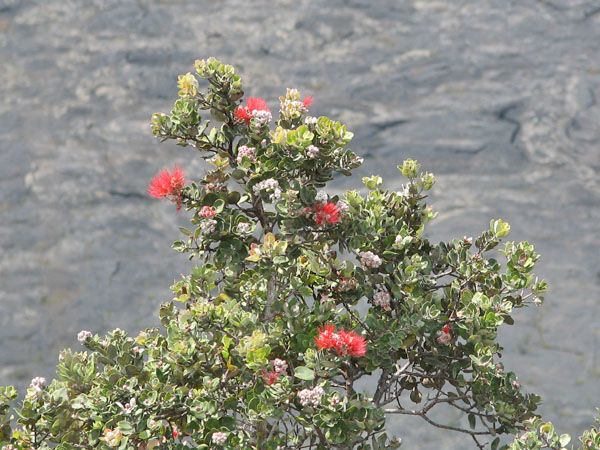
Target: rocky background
<point>498,98</point>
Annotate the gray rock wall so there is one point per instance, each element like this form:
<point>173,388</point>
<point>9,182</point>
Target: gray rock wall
<point>498,98</point>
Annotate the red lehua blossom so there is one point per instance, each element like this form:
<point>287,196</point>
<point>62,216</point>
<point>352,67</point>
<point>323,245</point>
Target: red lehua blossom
<point>208,212</point>
<point>327,213</point>
<point>256,104</point>
<point>168,184</point>
<point>351,343</point>
<point>307,101</point>
<point>326,337</point>
<point>345,343</point>
<point>270,377</point>
<point>244,113</point>
<point>445,335</point>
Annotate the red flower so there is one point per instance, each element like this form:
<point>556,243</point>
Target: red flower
<point>256,104</point>
<point>327,213</point>
<point>168,184</point>
<point>352,344</point>
<point>345,343</point>
<point>244,113</point>
<point>208,212</point>
<point>307,101</point>
<point>444,335</point>
<point>175,432</point>
<point>326,338</point>
<point>270,377</point>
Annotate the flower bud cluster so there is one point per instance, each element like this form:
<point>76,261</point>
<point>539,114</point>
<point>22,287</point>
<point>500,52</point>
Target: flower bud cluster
<point>269,185</point>
<point>208,226</point>
<point>382,299</point>
<point>246,152</point>
<point>370,260</point>
<point>311,397</point>
<point>219,438</point>
<point>312,151</point>
<point>291,107</point>
<point>243,228</point>
<point>83,336</point>
<point>38,383</point>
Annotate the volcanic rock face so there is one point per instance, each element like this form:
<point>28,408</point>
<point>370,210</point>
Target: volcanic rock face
<point>499,99</point>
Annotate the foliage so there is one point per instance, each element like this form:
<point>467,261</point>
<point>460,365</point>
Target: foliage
<point>263,344</point>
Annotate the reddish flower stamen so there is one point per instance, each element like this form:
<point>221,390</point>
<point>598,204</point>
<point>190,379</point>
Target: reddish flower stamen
<point>168,184</point>
<point>327,213</point>
<point>270,377</point>
<point>244,113</point>
<point>345,343</point>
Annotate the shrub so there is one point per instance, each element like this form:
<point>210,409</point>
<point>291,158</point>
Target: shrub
<point>295,296</point>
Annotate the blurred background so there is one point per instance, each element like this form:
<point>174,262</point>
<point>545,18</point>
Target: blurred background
<point>497,98</point>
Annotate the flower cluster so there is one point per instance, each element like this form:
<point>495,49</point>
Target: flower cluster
<point>382,299</point>
<point>279,368</point>
<point>38,384</point>
<point>269,185</point>
<point>343,206</point>
<point>168,184</point>
<point>112,437</point>
<point>243,228</point>
<point>208,226</point>
<point>326,213</point>
<point>370,260</point>
<point>311,397</point>
<point>444,336</point>
<point>83,336</point>
<point>188,85</point>
<point>312,151</point>
<point>128,407</point>
<point>291,107</point>
<point>256,109</point>
<point>321,197</point>
<point>246,152</point>
<point>214,187</point>
<point>345,343</point>
<point>208,212</point>
<point>269,377</point>
<point>347,284</point>
<point>219,438</point>
<point>279,365</point>
<point>311,121</point>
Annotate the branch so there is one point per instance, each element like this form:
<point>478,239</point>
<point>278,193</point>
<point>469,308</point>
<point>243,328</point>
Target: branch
<point>423,415</point>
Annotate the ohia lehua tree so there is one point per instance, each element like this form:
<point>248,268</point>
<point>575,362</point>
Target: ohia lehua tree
<point>295,297</point>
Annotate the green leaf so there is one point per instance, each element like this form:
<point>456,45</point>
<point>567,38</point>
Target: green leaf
<point>471,418</point>
<point>547,428</point>
<point>564,440</point>
<point>499,228</point>
<point>238,174</point>
<point>185,231</point>
<point>219,205</point>
<point>304,373</point>
<point>495,444</point>
<point>125,427</point>
<point>409,168</point>
<point>372,182</point>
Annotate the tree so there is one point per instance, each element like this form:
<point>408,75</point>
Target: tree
<point>295,296</point>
